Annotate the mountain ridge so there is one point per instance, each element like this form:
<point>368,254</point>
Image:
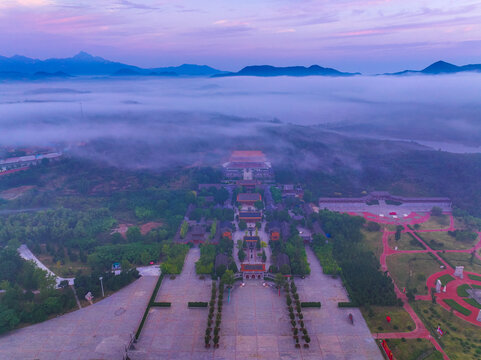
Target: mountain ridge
<point>439,67</point>
<point>23,68</point>
<point>298,71</point>
<point>84,63</point>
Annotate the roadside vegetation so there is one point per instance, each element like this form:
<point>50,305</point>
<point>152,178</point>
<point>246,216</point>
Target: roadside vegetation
<point>359,268</point>
<point>461,340</point>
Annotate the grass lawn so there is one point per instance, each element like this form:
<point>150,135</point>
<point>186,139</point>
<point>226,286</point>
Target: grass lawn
<point>459,224</point>
<point>445,279</point>
<point>413,349</point>
<point>435,222</point>
<point>464,259</point>
<point>441,240</point>
<point>390,227</point>
<point>406,242</point>
<point>400,319</point>
<point>461,290</point>
<point>458,307</point>
<point>412,270</point>
<point>69,269</point>
<point>474,277</point>
<point>461,340</point>
<point>373,241</point>
<point>473,302</point>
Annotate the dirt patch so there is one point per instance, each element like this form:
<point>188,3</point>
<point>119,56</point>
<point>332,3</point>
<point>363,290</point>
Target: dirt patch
<point>146,228</point>
<point>121,229</point>
<point>15,193</point>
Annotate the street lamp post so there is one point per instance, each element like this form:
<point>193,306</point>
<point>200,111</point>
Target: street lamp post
<point>102,285</point>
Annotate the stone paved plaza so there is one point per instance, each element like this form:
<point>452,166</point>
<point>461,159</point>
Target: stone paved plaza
<point>255,324</point>
<point>99,331</point>
<point>336,336</point>
<point>176,332</point>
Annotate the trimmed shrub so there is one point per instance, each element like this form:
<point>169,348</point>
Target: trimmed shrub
<point>346,304</point>
<point>199,304</point>
<point>162,304</point>
<point>311,304</point>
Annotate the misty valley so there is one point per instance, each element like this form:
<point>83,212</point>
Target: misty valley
<point>194,201</point>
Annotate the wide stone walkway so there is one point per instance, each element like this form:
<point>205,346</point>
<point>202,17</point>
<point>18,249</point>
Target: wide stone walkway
<point>330,327</point>
<point>255,324</point>
<point>177,332</point>
<point>99,331</point>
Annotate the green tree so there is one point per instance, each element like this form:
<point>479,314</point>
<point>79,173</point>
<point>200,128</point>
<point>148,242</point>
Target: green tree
<point>8,319</point>
<point>242,225</point>
<point>276,194</point>
<point>220,270</point>
<point>436,211</point>
<point>242,255</point>
<point>259,204</point>
<point>228,278</point>
<point>213,229</point>
<point>133,234</point>
<point>221,196</point>
<point>397,236</point>
<point>285,269</point>
<point>373,226</point>
<point>183,229</point>
<point>308,196</point>
<point>279,280</point>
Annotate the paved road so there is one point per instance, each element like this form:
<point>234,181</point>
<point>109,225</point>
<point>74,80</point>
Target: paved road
<point>99,331</point>
<point>26,254</point>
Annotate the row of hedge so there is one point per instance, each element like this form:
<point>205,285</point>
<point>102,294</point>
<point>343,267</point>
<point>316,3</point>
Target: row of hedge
<point>439,261</point>
<point>418,242</point>
<point>311,304</point>
<point>458,307</point>
<point>302,331</point>
<point>151,302</point>
<point>161,304</point>
<point>346,304</point>
<point>474,277</point>
<point>441,255</point>
<point>199,304</point>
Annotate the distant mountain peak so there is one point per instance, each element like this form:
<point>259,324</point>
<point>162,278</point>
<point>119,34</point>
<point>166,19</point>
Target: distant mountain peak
<point>83,55</point>
<point>20,58</point>
<point>441,67</point>
<point>269,70</point>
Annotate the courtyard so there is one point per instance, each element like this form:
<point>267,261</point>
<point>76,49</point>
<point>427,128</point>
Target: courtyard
<point>255,323</point>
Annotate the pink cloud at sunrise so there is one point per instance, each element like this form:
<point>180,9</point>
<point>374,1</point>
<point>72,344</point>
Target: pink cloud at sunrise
<point>352,35</point>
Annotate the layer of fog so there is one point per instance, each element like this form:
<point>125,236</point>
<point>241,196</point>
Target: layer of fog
<point>176,113</point>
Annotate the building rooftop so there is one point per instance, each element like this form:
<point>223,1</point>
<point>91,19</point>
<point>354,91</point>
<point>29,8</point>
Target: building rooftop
<point>249,214</point>
<point>198,230</point>
<point>249,197</point>
<point>253,267</point>
<point>26,158</point>
<point>247,155</point>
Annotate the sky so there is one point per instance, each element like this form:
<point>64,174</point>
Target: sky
<point>351,35</point>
